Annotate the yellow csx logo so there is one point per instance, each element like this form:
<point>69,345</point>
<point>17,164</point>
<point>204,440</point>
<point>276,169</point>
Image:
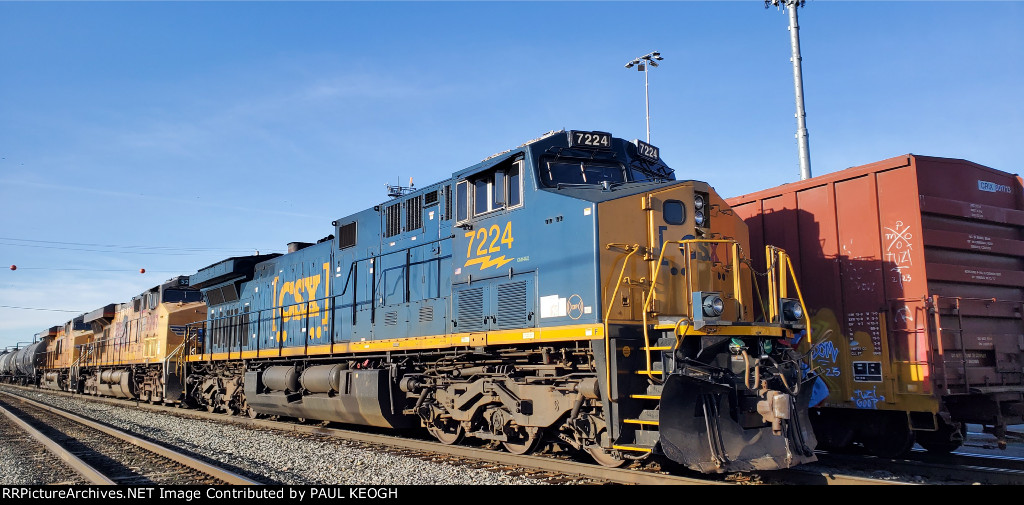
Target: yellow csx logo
<point>489,241</point>
<point>298,300</point>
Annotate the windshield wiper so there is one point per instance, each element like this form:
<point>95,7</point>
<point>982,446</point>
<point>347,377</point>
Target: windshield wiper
<point>561,185</point>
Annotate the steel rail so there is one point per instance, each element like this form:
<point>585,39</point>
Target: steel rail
<point>584,470</point>
<point>799,475</point>
<point>193,463</point>
<point>91,474</point>
<point>963,468</point>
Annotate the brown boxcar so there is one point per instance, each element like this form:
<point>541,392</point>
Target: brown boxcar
<point>912,269</point>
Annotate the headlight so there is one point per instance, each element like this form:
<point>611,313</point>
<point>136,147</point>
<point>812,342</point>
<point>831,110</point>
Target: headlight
<point>792,310</point>
<point>713,305</point>
<point>698,201</point>
<point>698,217</point>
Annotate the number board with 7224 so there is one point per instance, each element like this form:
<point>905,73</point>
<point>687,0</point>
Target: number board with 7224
<point>647,151</point>
<point>591,140</point>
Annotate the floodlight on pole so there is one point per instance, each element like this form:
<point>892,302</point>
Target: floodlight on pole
<point>643,64</point>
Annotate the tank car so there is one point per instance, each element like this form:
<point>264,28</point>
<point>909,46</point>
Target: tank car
<point>134,350</point>
<point>914,276</point>
<point>7,366</point>
<point>566,292</point>
<point>29,360</point>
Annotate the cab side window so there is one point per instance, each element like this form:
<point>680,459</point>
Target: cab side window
<point>515,184</point>
<point>495,189</point>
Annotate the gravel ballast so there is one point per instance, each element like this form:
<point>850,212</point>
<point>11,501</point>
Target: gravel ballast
<point>277,458</point>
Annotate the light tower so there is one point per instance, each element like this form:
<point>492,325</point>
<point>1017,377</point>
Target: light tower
<point>798,83</point>
<point>642,63</point>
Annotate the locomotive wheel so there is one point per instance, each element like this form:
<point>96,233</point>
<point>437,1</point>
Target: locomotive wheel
<point>447,432</point>
<point>248,410</point>
<point>523,443</point>
<point>604,457</point>
<point>211,408</point>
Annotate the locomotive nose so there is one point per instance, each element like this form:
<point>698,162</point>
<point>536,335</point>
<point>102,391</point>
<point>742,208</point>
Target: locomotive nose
<point>699,431</point>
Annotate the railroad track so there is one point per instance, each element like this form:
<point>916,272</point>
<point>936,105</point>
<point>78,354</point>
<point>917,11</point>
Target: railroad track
<point>558,469</point>
<point>104,455</point>
<point>955,468</point>
<point>35,463</point>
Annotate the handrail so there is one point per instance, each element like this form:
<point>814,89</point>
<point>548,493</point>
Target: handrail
<point>611,303</point>
<point>686,256</point>
<point>176,351</point>
<point>330,306</point>
<point>780,257</point>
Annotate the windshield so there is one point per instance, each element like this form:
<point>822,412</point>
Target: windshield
<point>181,295</point>
<point>580,172</point>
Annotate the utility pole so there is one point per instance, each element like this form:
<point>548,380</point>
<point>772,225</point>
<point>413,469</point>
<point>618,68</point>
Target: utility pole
<point>798,83</point>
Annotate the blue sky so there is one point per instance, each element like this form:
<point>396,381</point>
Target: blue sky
<point>169,135</point>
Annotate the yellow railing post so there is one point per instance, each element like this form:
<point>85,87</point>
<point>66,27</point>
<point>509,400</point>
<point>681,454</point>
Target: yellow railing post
<point>772,295</point>
<point>685,246</point>
<point>737,286</point>
<point>608,314</point>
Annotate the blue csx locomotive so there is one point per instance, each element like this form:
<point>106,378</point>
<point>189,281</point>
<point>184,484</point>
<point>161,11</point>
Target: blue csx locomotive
<point>568,292</point>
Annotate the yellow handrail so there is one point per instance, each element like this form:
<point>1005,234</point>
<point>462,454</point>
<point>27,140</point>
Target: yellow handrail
<point>686,257</point>
<point>608,314</point>
<point>785,264</point>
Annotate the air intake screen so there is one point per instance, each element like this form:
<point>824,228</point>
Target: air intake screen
<point>414,213</point>
<point>347,235</point>
<point>392,220</point>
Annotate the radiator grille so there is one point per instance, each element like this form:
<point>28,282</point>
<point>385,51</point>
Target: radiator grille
<point>471,310</point>
<point>512,307</point>
<point>426,314</point>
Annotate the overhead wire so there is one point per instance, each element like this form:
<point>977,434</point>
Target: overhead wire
<point>171,248</point>
<point>37,308</point>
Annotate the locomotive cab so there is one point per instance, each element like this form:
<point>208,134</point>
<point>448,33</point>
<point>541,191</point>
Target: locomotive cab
<point>687,367</point>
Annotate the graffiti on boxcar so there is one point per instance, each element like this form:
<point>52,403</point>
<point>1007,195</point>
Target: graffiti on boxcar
<point>825,352</point>
<point>898,251</point>
<point>866,399</point>
<point>860,273</point>
<point>903,316</point>
<point>824,357</point>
